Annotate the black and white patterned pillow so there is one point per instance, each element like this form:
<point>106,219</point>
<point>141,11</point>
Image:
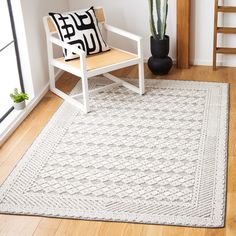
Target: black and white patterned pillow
<point>80,29</point>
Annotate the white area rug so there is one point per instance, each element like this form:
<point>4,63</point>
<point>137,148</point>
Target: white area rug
<point>159,158</point>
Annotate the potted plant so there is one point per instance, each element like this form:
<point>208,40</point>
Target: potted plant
<point>19,99</point>
<point>159,63</point>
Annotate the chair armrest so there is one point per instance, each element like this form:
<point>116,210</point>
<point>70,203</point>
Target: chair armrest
<point>122,32</point>
<point>67,46</point>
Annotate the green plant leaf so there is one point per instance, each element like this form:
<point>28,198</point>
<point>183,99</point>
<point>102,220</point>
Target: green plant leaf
<point>151,20</point>
<point>162,12</point>
<point>18,97</point>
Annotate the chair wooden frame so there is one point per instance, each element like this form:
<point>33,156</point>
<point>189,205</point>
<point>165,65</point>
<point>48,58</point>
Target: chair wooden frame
<point>82,70</point>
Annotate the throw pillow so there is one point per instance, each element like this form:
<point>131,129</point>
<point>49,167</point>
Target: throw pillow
<point>80,29</point>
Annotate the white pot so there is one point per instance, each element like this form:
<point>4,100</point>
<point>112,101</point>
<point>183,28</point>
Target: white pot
<point>20,105</point>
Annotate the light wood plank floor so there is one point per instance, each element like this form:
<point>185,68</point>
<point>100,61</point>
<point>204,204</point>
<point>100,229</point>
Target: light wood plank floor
<point>12,151</point>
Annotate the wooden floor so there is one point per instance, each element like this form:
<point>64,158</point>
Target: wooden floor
<point>22,138</point>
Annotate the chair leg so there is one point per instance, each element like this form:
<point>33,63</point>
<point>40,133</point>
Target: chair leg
<point>85,93</point>
<point>141,78</point>
<point>52,80</point>
<point>84,107</point>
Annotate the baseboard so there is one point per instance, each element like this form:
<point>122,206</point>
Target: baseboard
<point>20,116</point>
<point>205,62</point>
<point>146,60</point>
<point>209,63</point>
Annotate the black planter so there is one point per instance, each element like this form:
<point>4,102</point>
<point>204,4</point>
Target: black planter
<point>160,63</point>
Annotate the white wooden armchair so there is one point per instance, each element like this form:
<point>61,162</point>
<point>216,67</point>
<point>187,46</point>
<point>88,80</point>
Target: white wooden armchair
<point>97,64</point>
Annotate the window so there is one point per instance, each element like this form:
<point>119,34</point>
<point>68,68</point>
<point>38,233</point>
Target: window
<point>10,71</point>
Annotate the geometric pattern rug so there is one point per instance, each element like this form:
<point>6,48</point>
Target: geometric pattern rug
<point>160,158</point>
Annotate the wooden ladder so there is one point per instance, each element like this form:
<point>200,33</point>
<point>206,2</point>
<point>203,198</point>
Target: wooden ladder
<point>222,30</point>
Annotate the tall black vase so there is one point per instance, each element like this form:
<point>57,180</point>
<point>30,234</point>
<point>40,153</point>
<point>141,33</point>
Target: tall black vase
<point>159,63</point>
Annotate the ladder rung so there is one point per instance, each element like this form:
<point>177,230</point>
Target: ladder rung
<point>226,30</point>
<point>226,50</point>
<point>227,9</point>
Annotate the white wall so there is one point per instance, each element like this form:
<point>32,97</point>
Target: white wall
<point>229,40</point>
<point>202,18</point>
<point>33,12</point>
<point>133,16</point>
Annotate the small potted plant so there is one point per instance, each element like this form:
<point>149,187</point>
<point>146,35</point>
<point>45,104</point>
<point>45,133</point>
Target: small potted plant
<point>19,99</point>
<point>159,63</point>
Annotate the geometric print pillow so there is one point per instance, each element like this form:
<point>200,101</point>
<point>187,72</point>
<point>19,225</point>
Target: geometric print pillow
<point>80,29</point>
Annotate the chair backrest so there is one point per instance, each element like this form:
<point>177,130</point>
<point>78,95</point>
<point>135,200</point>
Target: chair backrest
<point>50,27</point>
